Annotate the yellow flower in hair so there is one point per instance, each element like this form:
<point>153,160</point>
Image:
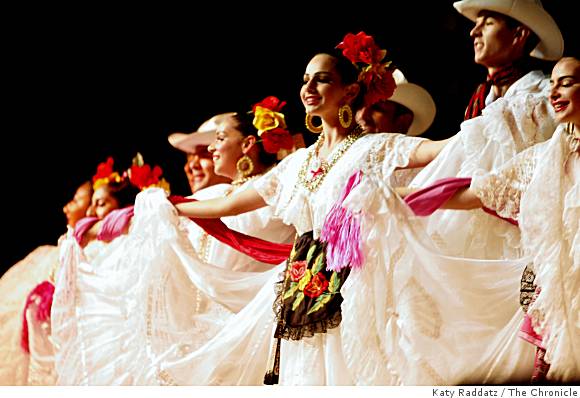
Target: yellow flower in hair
<point>266,119</point>
<point>164,184</point>
<point>114,176</point>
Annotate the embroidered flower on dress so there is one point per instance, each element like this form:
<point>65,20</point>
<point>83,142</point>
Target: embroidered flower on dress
<point>297,270</point>
<point>316,286</point>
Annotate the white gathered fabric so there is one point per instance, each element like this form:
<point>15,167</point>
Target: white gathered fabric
<point>148,293</point>
<point>410,315</point>
<point>15,285</point>
<point>510,124</point>
<point>542,187</point>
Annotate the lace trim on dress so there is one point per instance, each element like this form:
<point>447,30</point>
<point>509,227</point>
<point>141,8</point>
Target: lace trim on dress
<point>527,287</point>
<point>502,192</point>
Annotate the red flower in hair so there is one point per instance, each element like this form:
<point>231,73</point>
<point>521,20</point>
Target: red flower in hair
<point>143,176</point>
<point>276,139</point>
<point>380,84</point>
<point>271,126</point>
<point>378,79</point>
<point>361,48</point>
<point>271,102</point>
<point>104,169</point>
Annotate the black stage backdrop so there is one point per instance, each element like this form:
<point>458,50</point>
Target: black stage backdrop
<point>83,84</point>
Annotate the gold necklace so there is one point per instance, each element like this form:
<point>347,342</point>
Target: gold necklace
<point>240,181</point>
<point>320,167</point>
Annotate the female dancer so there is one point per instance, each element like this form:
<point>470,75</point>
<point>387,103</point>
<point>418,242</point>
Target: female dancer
<point>175,292</point>
<point>540,189</point>
<point>15,286</point>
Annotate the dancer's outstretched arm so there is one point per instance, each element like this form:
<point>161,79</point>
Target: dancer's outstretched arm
<point>232,205</point>
<point>426,152</point>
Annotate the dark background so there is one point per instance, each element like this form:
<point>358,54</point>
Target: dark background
<point>83,84</point>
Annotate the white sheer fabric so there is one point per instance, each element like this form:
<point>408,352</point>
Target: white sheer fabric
<point>15,285</point>
<point>541,186</point>
<point>410,316</point>
<point>149,292</point>
<point>510,124</point>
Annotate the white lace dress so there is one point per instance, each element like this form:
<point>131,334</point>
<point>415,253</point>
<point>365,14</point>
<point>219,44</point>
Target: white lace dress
<point>165,287</point>
<point>410,315</point>
<point>508,125</point>
<point>16,366</point>
<point>541,189</point>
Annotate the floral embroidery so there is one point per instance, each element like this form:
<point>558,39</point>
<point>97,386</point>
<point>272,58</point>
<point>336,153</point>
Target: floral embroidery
<point>316,286</point>
<point>310,282</point>
<point>297,270</point>
<point>308,298</point>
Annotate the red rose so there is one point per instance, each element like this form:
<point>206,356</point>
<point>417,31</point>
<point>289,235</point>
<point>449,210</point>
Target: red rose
<point>380,85</point>
<point>297,270</point>
<point>143,176</point>
<point>104,169</point>
<point>271,102</point>
<point>316,286</point>
<point>361,48</point>
<point>275,139</point>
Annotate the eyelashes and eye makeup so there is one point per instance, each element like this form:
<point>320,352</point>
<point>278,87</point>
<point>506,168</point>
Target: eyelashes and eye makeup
<point>318,78</point>
<point>565,81</point>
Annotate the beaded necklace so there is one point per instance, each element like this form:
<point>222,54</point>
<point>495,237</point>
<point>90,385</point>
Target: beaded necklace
<point>240,181</point>
<point>320,167</point>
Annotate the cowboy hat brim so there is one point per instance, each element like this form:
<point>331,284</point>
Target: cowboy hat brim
<point>188,142</point>
<point>204,136</point>
<point>528,12</point>
<point>420,102</point>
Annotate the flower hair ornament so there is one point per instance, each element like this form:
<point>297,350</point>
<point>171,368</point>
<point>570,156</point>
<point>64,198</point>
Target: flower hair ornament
<point>271,126</point>
<point>376,75</point>
<point>142,176</point>
<point>105,174</point>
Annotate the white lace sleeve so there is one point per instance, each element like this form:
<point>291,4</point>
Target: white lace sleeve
<point>502,190</point>
<point>392,152</point>
<point>271,185</point>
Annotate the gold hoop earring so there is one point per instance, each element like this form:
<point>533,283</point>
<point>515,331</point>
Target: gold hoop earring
<point>245,166</point>
<point>345,109</point>
<point>311,127</point>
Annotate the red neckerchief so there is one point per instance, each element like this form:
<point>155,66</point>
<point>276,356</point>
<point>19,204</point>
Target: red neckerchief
<point>502,77</point>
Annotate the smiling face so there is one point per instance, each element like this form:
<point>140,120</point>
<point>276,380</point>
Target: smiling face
<point>493,40</point>
<point>199,169</point>
<point>323,91</point>
<point>565,91</point>
<point>226,150</point>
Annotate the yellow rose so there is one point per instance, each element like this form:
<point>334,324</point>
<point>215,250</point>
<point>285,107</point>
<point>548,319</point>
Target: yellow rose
<point>265,119</point>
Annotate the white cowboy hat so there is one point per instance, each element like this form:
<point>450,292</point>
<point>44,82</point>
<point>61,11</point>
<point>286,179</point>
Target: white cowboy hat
<point>417,99</point>
<point>204,135</point>
<point>530,13</point>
